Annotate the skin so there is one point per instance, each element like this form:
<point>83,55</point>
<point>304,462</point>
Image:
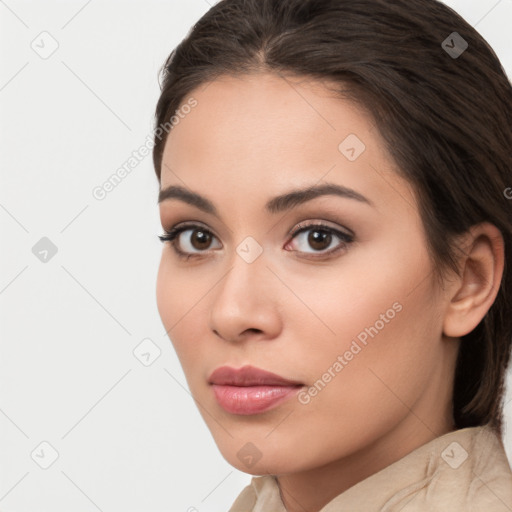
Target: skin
<point>254,137</point>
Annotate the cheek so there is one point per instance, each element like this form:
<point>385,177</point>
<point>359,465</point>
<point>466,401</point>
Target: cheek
<point>377,382</point>
<point>171,291</point>
<point>181,307</point>
<point>374,337</point>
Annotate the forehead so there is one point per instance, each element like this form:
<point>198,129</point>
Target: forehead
<point>264,132</point>
<point>247,111</point>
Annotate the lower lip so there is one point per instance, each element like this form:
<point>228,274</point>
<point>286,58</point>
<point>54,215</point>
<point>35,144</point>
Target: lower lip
<point>252,399</point>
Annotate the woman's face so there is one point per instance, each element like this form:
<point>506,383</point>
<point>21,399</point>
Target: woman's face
<point>351,314</point>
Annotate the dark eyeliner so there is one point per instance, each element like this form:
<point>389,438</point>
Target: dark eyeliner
<point>171,235</point>
<point>345,238</point>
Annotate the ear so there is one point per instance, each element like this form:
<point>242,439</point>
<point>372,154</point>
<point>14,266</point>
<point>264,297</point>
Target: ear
<point>472,293</point>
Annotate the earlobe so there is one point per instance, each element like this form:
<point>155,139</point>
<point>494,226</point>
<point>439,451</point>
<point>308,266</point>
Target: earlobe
<point>474,292</point>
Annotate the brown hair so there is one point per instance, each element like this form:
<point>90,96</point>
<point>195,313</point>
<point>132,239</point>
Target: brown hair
<point>446,120</point>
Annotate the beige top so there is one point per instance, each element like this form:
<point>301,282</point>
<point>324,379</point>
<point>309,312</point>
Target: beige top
<point>464,470</point>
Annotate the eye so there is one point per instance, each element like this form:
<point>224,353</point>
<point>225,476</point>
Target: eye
<point>200,240</point>
<point>320,237</point>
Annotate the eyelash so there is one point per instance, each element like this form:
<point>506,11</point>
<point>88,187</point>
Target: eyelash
<point>172,235</point>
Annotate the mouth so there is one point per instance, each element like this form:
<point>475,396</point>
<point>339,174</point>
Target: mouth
<point>249,390</point>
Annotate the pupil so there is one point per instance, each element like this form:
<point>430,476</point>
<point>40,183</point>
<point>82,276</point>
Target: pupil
<point>319,237</point>
<point>202,238</point>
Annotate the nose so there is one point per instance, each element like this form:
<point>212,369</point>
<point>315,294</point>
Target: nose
<point>245,303</point>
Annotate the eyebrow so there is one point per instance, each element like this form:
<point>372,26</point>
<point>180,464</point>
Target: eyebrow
<point>275,205</point>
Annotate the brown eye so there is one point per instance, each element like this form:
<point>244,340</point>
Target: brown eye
<point>200,239</point>
<point>198,242</point>
<point>320,237</point>
<point>186,245</point>
<point>193,240</point>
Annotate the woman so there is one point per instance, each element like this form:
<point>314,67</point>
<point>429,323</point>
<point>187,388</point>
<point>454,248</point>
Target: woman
<point>335,277</point>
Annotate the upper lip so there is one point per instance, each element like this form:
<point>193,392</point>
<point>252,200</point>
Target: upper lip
<point>248,376</point>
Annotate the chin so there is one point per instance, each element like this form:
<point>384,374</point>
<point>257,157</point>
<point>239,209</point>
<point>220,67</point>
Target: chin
<point>259,459</point>
<point>262,467</point>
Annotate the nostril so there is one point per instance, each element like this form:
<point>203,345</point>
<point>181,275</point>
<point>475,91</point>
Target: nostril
<point>257,331</point>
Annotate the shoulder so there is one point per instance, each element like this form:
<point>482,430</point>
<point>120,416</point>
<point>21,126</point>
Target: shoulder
<point>482,477</point>
<point>490,488</point>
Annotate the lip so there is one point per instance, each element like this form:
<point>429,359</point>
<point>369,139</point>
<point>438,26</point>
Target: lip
<point>250,390</point>
<point>248,376</point>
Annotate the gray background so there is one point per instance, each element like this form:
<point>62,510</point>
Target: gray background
<point>128,436</point>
